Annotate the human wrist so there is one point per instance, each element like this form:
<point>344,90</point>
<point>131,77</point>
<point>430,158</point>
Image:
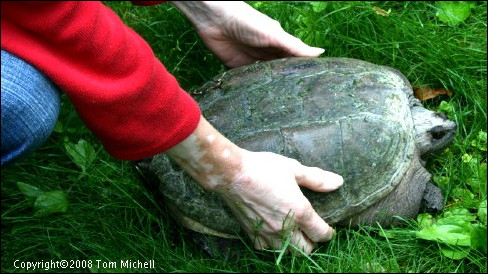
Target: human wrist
<point>210,158</point>
<point>200,13</point>
<point>211,14</point>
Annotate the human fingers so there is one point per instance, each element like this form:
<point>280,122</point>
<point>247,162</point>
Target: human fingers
<point>317,179</point>
<point>260,243</point>
<point>300,241</point>
<point>297,239</point>
<point>314,227</point>
<point>294,46</point>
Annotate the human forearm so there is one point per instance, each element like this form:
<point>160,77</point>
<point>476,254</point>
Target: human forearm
<point>208,156</point>
<point>208,13</point>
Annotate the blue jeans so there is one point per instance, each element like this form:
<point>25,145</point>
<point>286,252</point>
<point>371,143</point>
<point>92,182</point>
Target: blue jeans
<point>30,108</point>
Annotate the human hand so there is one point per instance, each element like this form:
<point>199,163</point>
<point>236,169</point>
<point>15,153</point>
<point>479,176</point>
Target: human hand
<point>265,197</point>
<point>261,188</point>
<point>239,35</point>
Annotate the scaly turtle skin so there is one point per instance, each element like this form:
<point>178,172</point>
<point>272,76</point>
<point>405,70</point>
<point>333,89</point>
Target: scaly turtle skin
<point>347,116</point>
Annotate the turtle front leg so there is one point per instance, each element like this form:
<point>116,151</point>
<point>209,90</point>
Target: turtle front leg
<point>433,200</point>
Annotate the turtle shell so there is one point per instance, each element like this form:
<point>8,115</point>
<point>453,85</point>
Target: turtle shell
<point>343,115</point>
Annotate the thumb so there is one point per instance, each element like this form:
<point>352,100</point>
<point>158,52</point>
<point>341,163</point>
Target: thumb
<point>318,179</point>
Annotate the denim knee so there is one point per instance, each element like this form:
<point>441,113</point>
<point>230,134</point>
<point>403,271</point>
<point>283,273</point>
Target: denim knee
<point>30,107</point>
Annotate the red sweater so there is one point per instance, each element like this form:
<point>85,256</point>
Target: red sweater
<point>122,92</point>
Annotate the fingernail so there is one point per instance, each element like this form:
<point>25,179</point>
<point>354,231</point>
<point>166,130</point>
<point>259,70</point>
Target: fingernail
<point>319,50</point>
<point>340,180</point>
<point>337,179</point>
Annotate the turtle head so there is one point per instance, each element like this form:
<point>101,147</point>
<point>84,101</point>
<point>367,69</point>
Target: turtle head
<point>433,131</point>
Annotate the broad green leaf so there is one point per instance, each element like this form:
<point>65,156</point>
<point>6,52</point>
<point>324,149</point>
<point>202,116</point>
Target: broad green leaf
<point>482,179</point>
<point>466,158</point>
<point>447,108</point>
<point>453,12</point>
<point>82,153</point>
<point>257,4</point>
<point>455,253</point>
<point>441,180</point>
<point>482,212</point>
<point>460,217</point>
<point>465,195</point>
<point>448,234</point>
<point>480,141</point>
<point>58,128</point>
<point>425,220</point>
<point>29,190</point>
<point>464,224</point>
<point>455,214</point>
<point>478,237</point>
<point>50,202</point>
<point>318,6</point>
<point>482,136</point>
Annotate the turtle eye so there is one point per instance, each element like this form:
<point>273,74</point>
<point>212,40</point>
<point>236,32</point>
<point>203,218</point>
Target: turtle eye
<point>437,132</point>
<point>442,115</point>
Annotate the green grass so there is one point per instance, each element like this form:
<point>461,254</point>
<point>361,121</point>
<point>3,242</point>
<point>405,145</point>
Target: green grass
<point>111,216</point>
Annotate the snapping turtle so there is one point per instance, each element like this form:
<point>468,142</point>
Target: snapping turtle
<point>347,116</point>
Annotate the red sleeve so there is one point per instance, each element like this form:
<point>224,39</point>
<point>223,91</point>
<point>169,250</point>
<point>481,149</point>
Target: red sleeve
<point>123,93</point>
